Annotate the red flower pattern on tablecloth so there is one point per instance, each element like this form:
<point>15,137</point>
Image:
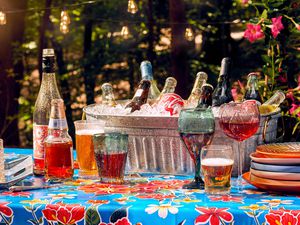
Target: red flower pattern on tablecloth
<point>64,213</point>
<point>157,196</point>
<point>283,217</point>
<point>5,210</point>
<point>123,221</point>
<point>16,194</point>
<point>215,216</point>
<point>253,32</point>
<point>226,198</point>
<point>276,26</point>
<point>102,189</point>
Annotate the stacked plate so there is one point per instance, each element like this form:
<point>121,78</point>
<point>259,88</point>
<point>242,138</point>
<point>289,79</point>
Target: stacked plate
<point>276,167</point>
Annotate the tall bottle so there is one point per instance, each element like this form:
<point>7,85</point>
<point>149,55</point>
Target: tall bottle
<point>194,97</point>
<point>222,93</point>
<point>108,97</point>
<point>252,88</point>
<point>206,96</point>
<point>140,97</point>
<point>58,145</point>
<point>169,87</point>
<point>272,104</point>
<point>48,91</point>
<point>147,74</point>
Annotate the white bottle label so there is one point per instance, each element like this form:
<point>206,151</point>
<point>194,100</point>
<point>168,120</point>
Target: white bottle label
<point>138,93</point>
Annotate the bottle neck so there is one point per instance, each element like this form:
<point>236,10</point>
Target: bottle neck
<point>57,124</point>
<point>252,84</point>
<point>49,80</point>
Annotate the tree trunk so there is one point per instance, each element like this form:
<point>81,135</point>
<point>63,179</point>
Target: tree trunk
<point>179,47</point>
<point>89,79</point>
<point>11,70</point>
<point>42,41</point>
<point>150,52</point>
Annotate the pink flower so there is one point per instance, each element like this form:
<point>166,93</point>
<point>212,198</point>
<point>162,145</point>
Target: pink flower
<point>253,32</point>
<point>294,108</point>
<point>290,95</point>
<point>245,2</point>
<point>214,215</point>
<point>276,26</point>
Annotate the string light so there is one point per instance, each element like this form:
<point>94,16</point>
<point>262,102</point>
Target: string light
<point>189,34</point>
<point>2,18</point>
<point>132,7</point>
<point>64,22</point>
<point>125,32</point>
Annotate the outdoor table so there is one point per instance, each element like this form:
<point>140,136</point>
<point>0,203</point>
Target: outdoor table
<point>146,199</point>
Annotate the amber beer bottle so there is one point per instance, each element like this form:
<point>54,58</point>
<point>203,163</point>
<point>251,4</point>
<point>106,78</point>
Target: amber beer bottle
<point>108,97</point>
<point>206,96</point>
<point>48,91</point>
<point>58,145</point>
<point>222,93</point>
<point>252,88</point>
<point>140,97</point>
<point>147,74</point>
<point>194,97</point>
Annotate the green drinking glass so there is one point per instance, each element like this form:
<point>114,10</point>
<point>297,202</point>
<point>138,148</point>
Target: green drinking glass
<point>196,128</point>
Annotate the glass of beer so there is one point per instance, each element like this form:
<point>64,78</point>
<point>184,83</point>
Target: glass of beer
<point>216,166</point>
<point>85,147</point>
<point>111,152</point>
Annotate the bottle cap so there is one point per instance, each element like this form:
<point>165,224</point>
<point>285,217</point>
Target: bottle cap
<point>107,86</point>
<point>48,52</point>
<point>146,70</point>
<point>171,80</point>
<point>202,75</point>
<point>256,74</point>
<point>225,66</point>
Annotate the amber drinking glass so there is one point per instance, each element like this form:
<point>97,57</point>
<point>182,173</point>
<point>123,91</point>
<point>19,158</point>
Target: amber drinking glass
<point>239,121</point>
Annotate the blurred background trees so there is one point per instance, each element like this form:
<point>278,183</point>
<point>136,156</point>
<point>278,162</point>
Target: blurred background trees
<point>179,37</point>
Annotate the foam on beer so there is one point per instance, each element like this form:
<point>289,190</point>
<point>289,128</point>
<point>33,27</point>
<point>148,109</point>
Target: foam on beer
<point>216,162</point>
<point>89,132</point>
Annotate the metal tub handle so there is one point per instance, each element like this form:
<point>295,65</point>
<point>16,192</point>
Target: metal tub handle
<point>266,125</point>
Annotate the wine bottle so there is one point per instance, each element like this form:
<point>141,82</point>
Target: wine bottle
<point>252,88</point>
<point>140,97</point>
<point>58,145</point>
<point>108,97</point>
<point>48,91</point>
<point>222,93</point>
<point>194,97</point>
<point>169,87</point>
<point>206,96</point>
<point>147,74</point>
<point>272,104</point>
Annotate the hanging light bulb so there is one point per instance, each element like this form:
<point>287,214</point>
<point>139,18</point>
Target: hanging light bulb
<point>2,18</point>
<point>132,7</point>
<point>125,32</point>
<point>64,22</point>
<point>189,34</point>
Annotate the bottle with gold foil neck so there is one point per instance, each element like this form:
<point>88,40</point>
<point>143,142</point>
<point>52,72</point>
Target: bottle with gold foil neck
<point>169,87</point>
<point>194,97</point>
<point>108,97</point>
<point>147,74</point>
<point>58,145</point>
<point>272,104</point>
<point>140,97</point>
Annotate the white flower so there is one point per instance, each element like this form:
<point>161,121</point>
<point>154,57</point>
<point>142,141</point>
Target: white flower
<point>162,209</point>
<point>62,195</point>
<point>276,202</point>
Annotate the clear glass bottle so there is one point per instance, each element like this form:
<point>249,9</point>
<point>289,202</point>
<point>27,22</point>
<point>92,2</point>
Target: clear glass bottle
<point>108,97</point>
<point>58,145</point>
<point>194,97</point>
<point>41,113</point>
<point>252,91</point>
<point>222,93</point>
<point>272,104</point>
<point>140,97</point>
<point>169,87</point>
<point>147,74</point>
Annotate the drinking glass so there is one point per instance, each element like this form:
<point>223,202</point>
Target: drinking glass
<point>111,152</point>
<point>196,128</point>
<point>85,147</point>
<point>216,166</point>
<point>239,121</point>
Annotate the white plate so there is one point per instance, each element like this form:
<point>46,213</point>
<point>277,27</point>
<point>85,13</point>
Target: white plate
<point>260,158</point>
<point>276,175</point>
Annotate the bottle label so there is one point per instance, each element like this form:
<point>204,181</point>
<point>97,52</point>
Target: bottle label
<point>138,93</point>
<point>58,123</point>
<point>40,133</point>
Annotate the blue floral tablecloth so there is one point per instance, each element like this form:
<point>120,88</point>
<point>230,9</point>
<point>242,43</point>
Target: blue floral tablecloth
<point>147,199</point>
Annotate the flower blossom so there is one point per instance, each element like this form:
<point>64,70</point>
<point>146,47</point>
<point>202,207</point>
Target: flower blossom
<point>162,209</point>
<point>213,215</point>
<point>277,26</point>
<point>253,32</point>
<point>294,108</point>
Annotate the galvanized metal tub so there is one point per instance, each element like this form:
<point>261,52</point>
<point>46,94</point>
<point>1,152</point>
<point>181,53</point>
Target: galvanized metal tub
<point>155,145</point>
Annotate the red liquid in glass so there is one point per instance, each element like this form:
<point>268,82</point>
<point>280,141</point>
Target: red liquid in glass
<point>39,166</point>
<point>111,166</point>
<point>239,131</point>
<point>58,160</point>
